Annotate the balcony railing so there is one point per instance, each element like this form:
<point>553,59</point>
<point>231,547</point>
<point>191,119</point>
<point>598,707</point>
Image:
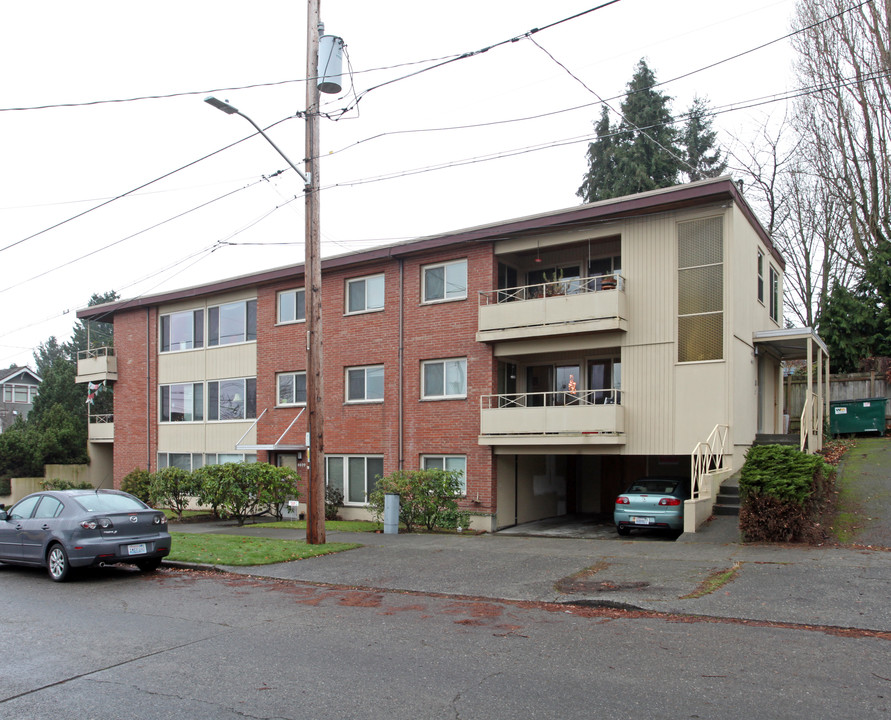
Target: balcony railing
<point>101,428</point>
<point>96,365</point>
<point>585,304</point>
<point>582,417</point>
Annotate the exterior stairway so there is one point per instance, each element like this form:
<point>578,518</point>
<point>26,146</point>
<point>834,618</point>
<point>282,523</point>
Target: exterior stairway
<point>765,439</point>
<point>727,501</point>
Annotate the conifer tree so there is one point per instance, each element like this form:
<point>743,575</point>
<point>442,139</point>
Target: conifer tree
<point>704,160</point>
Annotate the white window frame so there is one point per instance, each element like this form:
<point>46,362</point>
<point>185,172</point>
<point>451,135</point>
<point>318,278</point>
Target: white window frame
<point>248,309</point>
<point>443,465</point>
<point>364,370</point>
<point>297,294</point>
<point>342,483</point>
<point>197,412</point>
<point>248,385</point>
<point>214,458</point>
<point>366,307</point>
<point>447,296</point>
<point>775,296</point>
<point>195,342</point>
<point>426,395</point>
<point>196,460</point>
<point>278,389</point>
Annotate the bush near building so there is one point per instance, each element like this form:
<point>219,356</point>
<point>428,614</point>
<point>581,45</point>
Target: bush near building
<point>786,495</point>
<point>427,498</point>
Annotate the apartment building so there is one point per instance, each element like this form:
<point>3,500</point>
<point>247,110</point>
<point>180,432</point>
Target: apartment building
<point>18,389</point>
<point>551,359</point>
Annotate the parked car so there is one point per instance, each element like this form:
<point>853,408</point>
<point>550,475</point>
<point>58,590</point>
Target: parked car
<point>65,529</point>
<point>652,503</point>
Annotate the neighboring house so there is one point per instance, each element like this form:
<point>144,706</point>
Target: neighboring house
<point>553,359</point>
<point>18,388</point>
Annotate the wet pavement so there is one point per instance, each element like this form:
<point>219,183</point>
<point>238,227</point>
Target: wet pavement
<point>709,573</point>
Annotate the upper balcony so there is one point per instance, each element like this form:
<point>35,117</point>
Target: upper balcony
<point>96,365</point>
<point>560,307</point>
<point>590,417</point>
<point>101,428</point>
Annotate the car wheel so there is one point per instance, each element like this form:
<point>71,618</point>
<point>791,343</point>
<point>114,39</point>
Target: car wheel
<point>149,565</point>
<point>622,530</point>
<point>57,563</point>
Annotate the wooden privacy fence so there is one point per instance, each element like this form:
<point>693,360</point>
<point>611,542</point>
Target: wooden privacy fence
<point>856,386</point>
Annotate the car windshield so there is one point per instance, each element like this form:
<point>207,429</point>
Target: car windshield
<point>96,502</point>
<point>656,487</point>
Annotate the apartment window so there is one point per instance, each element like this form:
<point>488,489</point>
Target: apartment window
<point>365,294</point>
<point>183,461</point>
<point>774,295</point>
<point>19,393</point>
<point>365,384</point>
<point>182,402</point>
<point>457,463</point>
<point>354,475</point>
<point>701,290</point>
<point>232,323</point>
<point>445,281</point>
<point>182,331</point>
<point>444,379</point>
<point>291,306</point>
<point>232,399</point>
<point>760,276</point>
<point>291,388</point>
<point>222,458</point>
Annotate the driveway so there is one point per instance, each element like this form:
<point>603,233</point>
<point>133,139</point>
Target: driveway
<point>865,473</point>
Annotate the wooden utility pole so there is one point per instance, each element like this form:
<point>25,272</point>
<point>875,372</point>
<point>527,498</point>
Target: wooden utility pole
<point>315,505</point>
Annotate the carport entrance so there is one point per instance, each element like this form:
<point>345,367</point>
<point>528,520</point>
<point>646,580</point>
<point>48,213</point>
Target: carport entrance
<point>571,495</point>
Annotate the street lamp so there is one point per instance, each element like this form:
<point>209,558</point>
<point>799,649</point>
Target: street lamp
<point>230,110</point>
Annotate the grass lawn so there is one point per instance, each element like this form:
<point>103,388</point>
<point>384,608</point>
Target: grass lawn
<point>341,525</point>
<point>238,550</point>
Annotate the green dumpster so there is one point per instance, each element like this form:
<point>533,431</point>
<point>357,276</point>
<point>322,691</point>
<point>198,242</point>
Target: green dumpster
<point>857,416</point>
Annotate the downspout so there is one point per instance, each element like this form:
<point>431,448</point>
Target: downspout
<point>401,374</point>
<point>148,390</point>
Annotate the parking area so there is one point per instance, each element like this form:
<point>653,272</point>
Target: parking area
<point>583,525</point>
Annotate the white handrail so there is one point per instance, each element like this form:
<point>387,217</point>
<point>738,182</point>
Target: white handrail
<point>567,286</point>
<point>708,457</point>
<point>559,398</point>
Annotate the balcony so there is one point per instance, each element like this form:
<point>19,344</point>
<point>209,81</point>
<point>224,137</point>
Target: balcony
<point>96,365</point>
<point>589,417</point>
<point>562,307</point>
<point>101,429</point>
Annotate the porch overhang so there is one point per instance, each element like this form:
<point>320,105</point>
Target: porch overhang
<point>790,343</point>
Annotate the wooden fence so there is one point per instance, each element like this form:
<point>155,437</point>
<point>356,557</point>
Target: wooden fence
<point>856,386</point>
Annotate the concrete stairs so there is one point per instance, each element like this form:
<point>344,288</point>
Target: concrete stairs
<point>727,502</point>
<point>766,439</point>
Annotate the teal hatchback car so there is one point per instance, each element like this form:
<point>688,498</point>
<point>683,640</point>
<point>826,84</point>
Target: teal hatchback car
<point>652,503</point>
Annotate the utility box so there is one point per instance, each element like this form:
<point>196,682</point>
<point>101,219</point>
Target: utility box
<point>857,416</point>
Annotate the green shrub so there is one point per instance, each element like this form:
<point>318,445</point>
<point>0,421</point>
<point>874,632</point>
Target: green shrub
<point>275,486</point>
<point>333,502</point>
<point>138,482</point>
<point>172,487</point>
<point>56,484</point>
<point>426,497</point>
<point>784,492</point>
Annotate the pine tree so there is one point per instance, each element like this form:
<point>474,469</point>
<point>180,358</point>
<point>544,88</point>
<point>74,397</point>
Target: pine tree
<point>704,160</point>
<point>639,153</point>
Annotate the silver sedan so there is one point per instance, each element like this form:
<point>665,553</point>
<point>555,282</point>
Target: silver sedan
<point>65,529</point>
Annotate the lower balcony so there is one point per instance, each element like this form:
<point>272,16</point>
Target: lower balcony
<point>592,417</point>
<point>101,429</point>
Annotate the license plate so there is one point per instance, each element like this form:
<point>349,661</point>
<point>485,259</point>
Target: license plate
<point>136,549</point>
<point>641,520</point>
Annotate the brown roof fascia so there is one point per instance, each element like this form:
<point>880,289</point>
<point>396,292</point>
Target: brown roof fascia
<point>667,199</point>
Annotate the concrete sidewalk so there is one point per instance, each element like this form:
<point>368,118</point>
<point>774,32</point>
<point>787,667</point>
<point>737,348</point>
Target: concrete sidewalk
<point>792,584</point>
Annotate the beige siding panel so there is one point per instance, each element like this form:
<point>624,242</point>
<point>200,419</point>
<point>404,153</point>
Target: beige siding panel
<point>181,437</point>
<point>232,361</point>
<point>701,400</point>
<point>507,495</point>
<point>648,396</point>
<point>188,366</point>
<point>205,437</point>
<point>222,437</point>
<point>744,380</point>
<point>196,303</point>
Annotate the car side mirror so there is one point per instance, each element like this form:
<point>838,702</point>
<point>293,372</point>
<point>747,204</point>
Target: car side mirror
<point>3,516</point>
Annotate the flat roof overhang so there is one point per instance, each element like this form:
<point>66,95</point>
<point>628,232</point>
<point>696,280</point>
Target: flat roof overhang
<point>790,343</point>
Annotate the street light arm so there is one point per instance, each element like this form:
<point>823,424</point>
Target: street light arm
<point>230,110</point>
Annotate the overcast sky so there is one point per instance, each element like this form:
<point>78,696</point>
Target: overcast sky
<point>383,179</point>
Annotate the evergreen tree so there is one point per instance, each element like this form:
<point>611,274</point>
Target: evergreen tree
<point>704,160</point>
<point>639,153</point>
